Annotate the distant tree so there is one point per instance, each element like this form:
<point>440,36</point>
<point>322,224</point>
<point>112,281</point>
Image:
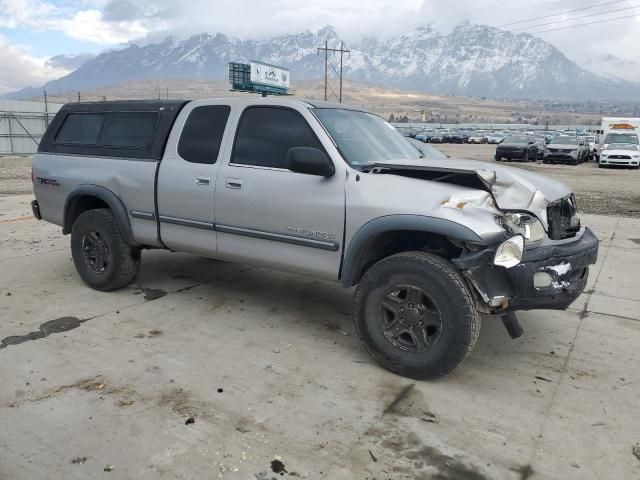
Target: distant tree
<point>403,119</point>
<point>392,118</point>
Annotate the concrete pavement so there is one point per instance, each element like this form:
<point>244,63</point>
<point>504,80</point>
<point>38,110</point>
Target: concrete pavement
<point>268,366</point>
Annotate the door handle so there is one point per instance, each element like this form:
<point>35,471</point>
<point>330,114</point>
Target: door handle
<point>233,183</point>
<point>203,180</point>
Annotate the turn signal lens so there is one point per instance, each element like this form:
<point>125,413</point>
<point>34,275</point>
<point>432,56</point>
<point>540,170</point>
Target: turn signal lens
<point>509,253</point>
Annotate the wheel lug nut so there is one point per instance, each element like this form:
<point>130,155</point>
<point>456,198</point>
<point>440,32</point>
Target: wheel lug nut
<point>402,309</point>
<point>411,305</point>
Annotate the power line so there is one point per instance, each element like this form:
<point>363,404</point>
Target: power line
<point>573,19</point>
<point>559,13</point>
<point>588,23</point>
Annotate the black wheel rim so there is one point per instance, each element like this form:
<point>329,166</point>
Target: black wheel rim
<point>95,252</point>
<point>409,319</point>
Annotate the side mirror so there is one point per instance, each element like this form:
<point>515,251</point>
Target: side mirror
<point>309,161</point>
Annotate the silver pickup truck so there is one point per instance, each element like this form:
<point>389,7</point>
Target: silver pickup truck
<point>319,189</point>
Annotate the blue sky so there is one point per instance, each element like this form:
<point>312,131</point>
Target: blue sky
<point>33,31</point>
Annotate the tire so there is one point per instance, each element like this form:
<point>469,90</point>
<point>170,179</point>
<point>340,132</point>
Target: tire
<point>102,257</point>
<point>545,161</point>
<point>443,310</point>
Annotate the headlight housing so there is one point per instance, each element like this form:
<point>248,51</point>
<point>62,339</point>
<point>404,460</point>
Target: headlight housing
<point>524,224</point>
<point>509,253</point>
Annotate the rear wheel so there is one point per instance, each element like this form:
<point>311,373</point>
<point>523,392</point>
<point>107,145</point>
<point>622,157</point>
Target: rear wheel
<point>415,315</point>
<point>100,253</point>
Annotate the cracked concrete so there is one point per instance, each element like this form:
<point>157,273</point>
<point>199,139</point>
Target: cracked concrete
<point>268,367</point>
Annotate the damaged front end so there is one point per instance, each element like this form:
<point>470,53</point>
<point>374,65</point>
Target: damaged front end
<point>550,274</point>
<point>541,256</point>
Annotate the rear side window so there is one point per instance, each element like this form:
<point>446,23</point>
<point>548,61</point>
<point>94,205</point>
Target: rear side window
<point>111,129</point>
<point>265,135</point>
<point>133,130</point>
<point>80,129</point>
<point>202,133</point>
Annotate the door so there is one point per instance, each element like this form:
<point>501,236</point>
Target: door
<point>187,179</point>
<point>270,216</point>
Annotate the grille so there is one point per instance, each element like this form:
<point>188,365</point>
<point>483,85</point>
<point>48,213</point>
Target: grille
<point>619,157</point>
<point>563,219</point>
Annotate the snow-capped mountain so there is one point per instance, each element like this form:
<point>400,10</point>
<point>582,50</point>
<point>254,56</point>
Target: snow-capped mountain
<point>472,60</point>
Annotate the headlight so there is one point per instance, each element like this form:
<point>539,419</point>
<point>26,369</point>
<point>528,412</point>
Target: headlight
<point>574,153</point>
<point>635,156</point>
<point>509,253</point>
<point>603,155</point>
<point>524,224</point>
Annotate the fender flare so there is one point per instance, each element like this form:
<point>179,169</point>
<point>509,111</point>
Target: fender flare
<point>389,223</point>
<point>108,197</point>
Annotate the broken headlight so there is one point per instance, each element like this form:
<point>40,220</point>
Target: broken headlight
<point>524,224</point>
<point>509,253</point>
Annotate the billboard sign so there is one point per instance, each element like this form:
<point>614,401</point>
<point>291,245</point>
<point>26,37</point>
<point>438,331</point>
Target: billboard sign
<point>265,74</point>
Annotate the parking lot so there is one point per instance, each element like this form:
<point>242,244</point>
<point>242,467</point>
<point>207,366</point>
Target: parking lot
<point>205,369</point>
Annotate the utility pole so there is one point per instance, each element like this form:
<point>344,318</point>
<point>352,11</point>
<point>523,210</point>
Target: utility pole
<point>46,110</point>
<point>342,50</point>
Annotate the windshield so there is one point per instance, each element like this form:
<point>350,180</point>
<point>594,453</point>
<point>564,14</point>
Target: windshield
<point>621,138</point>
<point>517,139</point>
<point>564,140</point>
<point>364,138</point>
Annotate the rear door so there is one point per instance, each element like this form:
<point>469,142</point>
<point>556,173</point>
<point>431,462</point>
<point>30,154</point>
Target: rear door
<point>187,178</point>
<point>269,215</point>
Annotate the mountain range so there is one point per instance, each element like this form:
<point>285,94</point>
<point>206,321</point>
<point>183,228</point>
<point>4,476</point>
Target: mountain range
<point>471,60</point>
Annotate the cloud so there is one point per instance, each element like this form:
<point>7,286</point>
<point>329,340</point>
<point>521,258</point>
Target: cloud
<point>87,24</point>
<point>69,62</point>
<point>20,69</point>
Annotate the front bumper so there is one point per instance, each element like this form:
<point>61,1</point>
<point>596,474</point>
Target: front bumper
<point>510,154</point>
<point>561,269</point>
<point>560,158</point>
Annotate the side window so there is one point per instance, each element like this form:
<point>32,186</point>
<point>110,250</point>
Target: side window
<point>202,133</point>
<point>265,135</point>
<point>80,129</point>
<point>128,129</point>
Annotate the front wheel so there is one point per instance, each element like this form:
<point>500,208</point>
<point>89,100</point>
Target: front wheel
<point>415,315</point>
<point>100,253</point>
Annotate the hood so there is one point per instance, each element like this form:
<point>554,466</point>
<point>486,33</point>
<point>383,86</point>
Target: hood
<point>515,145</point>
<point>620,147</point>
<point>511,188</point>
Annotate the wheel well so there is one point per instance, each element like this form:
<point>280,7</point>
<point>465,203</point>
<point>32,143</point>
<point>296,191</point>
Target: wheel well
<point>386,244</point>
<point>79,205</point>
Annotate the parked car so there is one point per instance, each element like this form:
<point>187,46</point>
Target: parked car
<point>565,149</point>
<point>423,136</point>
<point>591,143</point>
<point>517,147</point>
<point>620,155</point>
<point>477,138</point>
<point>495,138</point>
<point>541,143</point>
<point>318,189</point>
<point>437,137</point>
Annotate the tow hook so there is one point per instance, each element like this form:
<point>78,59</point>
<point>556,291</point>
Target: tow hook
<point>510,322</point>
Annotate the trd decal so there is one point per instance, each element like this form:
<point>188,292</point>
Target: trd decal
<point>48,181</point>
